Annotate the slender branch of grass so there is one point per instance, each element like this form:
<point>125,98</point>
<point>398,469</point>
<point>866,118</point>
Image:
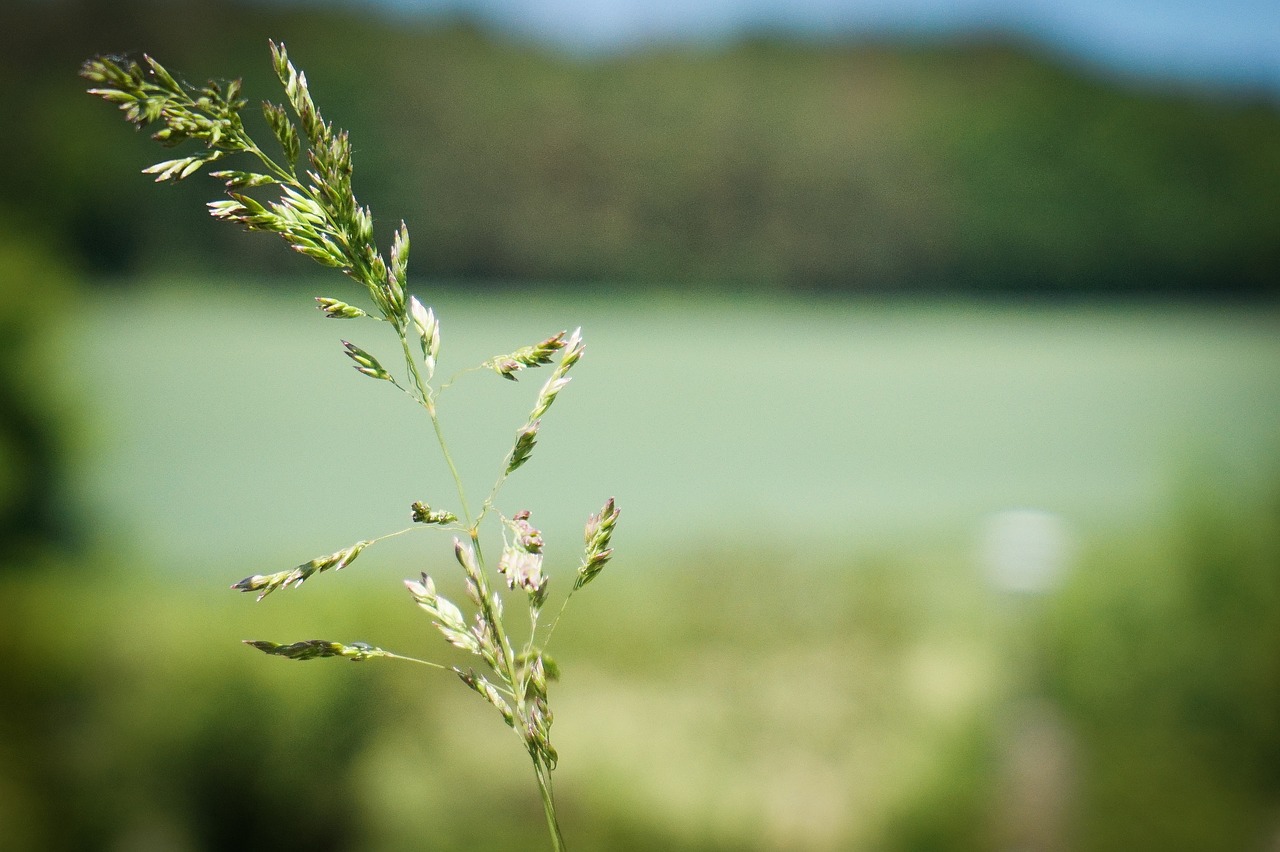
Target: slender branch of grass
<point>458,375</point>
<point>316,648</point>
<point>317,215</point>
<point>427,663</point>
<point>555,622</point>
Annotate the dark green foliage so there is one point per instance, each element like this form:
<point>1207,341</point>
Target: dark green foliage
<point>953,811</point>
<point>105,740</point>
<point>34,419</point>
<point>855,168</point>
<point>1168,669</point>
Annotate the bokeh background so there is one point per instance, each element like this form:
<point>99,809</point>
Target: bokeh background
<point>933,361</point>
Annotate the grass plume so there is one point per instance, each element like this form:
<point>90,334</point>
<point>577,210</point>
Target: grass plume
<point>302,193</point>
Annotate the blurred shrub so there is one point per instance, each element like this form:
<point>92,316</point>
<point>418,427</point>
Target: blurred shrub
<point>952,811</point>
<point>1167,665</point>
<point>133,723</point>
<point>35,421</point>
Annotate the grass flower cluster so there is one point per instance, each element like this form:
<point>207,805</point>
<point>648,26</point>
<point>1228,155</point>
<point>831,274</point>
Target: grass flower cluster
<point>315,211</point>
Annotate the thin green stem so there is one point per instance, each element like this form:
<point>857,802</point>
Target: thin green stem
<point>534,612</point>
<point>283,175</point>
<point>552,629</point>
<point>493,492</point>
<point>392,656</point>
<point>444,387</point>
<point>517,688</point>
<point>548,803</point>
<point>428,402</point>
<point>393,534</point>
<point>497,485</point>
<point>448,460</point>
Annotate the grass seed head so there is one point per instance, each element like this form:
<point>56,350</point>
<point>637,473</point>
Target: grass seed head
<point>265,584</point>
<point>335,309</point>
<point>316,214</point>
<point>489,693</point>
<point>365,363</point>
<point>527,356</point>
<point>446,615</point>
<point>526,439</point>
<point>428,329</point>
<point>598,531</point>
<point>311,649</point>
<point>424,514</point>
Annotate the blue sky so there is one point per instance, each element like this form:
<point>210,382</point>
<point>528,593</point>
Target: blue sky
<point>1232,42</point>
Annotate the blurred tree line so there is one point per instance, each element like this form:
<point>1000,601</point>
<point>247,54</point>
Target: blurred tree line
<point>956,168</point>
<point>946,168</point>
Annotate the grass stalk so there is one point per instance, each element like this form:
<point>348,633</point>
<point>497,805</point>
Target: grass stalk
<point>317,214</point>
<point>548,803</point>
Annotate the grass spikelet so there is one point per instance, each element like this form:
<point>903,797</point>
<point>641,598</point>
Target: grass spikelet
<point>265,584</point>
<point>311,649</point>
<point>421,513</point>
<point>447,617</point>
<point>526,356</point>
<point>598,531</point>
<point>526,439</point>
<point>489,693</point>
<point>366,363</point>
<point>335,309</point>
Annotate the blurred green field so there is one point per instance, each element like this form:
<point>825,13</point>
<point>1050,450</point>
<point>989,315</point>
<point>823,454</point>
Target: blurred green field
<point>232,429</point>
<point>795,647</point>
